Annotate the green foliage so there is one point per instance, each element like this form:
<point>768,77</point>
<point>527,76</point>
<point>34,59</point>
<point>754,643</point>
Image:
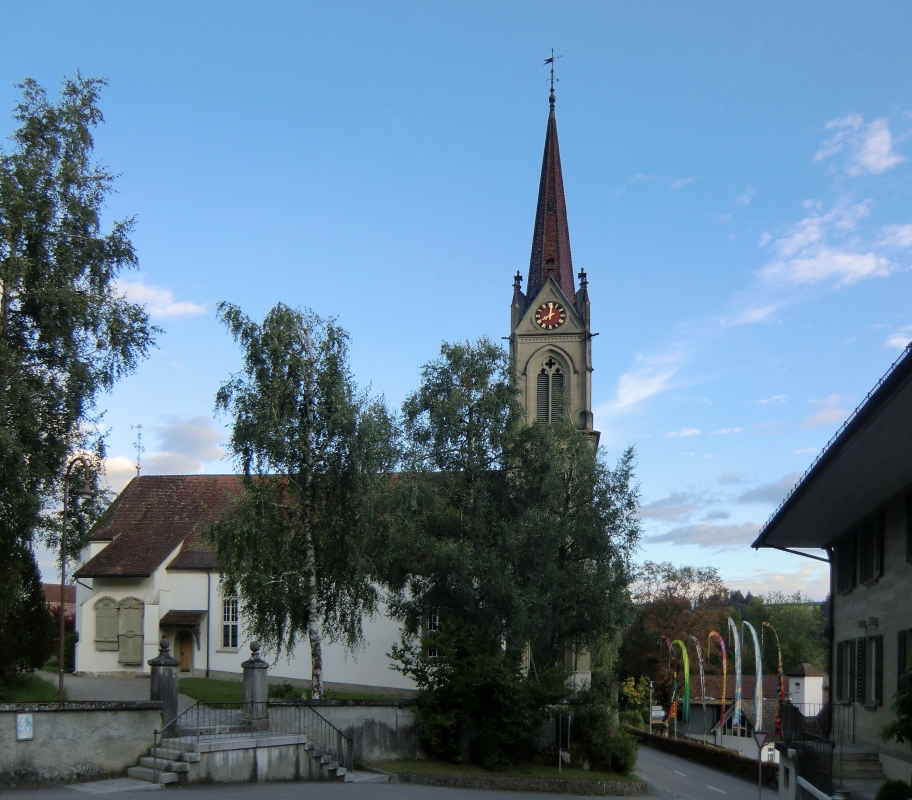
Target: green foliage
<point>799,623</point>
<point>285,691</point>
<point>26,627</point>
<point>66,331</point>
<point>894,790</point>
<point>211,690</point>
<point>600,741</point>
<point>28,688</point>
<point>510,535</point>
<point>313,451</point>
<point>900,728</point>
<point>675,602</point>
<point>635,701</point>
<point>69,651</point>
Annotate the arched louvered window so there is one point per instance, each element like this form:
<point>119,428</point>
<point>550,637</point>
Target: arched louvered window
<point>550,397</point>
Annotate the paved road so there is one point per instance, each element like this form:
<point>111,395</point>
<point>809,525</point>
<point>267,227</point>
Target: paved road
<point>672,776</point>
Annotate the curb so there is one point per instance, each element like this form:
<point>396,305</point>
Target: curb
<point>552,785</point>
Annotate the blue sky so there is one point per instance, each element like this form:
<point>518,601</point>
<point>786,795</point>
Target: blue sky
<point>739,189</point>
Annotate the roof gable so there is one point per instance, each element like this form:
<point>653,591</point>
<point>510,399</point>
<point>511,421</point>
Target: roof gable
<point>154,515</point>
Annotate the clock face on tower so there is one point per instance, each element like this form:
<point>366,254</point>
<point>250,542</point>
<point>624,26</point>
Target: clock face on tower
<point>550,316</point>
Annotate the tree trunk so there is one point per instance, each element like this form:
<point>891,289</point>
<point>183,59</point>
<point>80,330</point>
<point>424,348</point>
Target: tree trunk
<point>313,621</point>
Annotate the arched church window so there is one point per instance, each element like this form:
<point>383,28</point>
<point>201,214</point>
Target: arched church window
<point>550,393</point>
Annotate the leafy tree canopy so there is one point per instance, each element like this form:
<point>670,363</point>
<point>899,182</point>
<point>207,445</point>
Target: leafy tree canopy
<point>312,449</point>
<point>506,534</point>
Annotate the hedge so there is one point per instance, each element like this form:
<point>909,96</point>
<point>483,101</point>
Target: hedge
<point>711,756</point>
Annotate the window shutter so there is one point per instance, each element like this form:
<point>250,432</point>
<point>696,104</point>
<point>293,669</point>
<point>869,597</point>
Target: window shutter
<point>106,611</point>
<point>557,395</point>
<point>860,670</point>
<point>840,670</point>
<point>543,398</point>
<point>878,669</point>
<point>909,527</point>
<point>131,631</point>
<point>900,657</point>
<point>879,543</point>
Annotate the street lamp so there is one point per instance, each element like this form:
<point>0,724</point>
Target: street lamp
<point>86,493</point>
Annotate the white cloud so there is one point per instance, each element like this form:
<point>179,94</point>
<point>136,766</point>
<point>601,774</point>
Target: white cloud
<point>773,492</point>
<point>812,579</point>
<point>706,534</point>
<point>684,432</point>
<point>159,301</point>
<point>899,236</point>
<point>184,447</point>
<point>681,182</point>
<point>805,254</point>
<point>830,415</point>
<point>746,196</point>
<point>765,238</point>
<point>775,400</point>
<point>678,505</point>
<point>652,377</point>
<point>725,431</point>
<point>870,147</point>
<point>900,338</point>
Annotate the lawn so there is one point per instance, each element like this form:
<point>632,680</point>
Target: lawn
<point>212,690</point>
<point>431,767</point>
<point>32,688</point>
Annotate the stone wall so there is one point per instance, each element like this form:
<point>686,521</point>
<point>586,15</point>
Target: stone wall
<point>74,741</point>
<point>381,730</point>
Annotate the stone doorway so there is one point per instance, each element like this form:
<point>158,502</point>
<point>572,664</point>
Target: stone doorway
<point>185,650</point>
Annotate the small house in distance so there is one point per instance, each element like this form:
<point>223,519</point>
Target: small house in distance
<point>854,504</point>
<point>805,685</point>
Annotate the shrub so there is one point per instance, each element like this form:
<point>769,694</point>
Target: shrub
<point>600,741</point>
<point>69,651</point>
<point>894,790</point>
<point>285,691</point>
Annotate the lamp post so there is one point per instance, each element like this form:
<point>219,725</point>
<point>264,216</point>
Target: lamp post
<point>650,706</point>
<point>85,493</point>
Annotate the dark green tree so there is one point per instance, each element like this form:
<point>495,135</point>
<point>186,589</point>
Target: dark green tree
<point>900,728</point>
<point>314,451</point>
<point>27,628</point>
<point>67,333</point>
<point>504,540</point>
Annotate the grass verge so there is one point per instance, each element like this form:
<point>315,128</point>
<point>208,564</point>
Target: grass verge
<point>31,688</point>
<point>432,767</point>
<point>214,690</point>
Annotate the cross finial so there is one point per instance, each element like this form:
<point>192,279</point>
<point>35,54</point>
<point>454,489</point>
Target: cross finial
<point>553,79</point>
<point>138,445</point>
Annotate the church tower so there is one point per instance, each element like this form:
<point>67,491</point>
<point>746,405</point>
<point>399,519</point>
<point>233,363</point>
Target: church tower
<point>550,340</point>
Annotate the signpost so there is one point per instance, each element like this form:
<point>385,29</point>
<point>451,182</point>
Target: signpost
<point>760,738</point>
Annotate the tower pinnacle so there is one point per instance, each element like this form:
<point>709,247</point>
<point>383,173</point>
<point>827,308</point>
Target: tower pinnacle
<point>551,235</point>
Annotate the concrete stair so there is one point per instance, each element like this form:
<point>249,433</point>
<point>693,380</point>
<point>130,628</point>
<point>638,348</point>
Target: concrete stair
<point>166,764</point>
<point>857,765</point>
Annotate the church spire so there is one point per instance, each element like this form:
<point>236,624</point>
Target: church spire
<point>551,236</point>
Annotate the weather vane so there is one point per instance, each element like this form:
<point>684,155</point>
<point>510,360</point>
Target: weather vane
<point>138,445</point>
<point>553,79</point>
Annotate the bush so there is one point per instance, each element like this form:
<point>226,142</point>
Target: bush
<point>285,691</point>
<point>26,625</point>
<point>69,651</point>
<point>601,742</point>
<point>894,790</point>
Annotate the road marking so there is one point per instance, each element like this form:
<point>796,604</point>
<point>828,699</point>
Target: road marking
<point>680,773</point>
<point>716,790</point>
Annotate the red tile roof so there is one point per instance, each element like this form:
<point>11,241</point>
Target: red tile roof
<point>551,235</point>
<point>748,683</point>
<point>152,516</point>
<point>52,594</point>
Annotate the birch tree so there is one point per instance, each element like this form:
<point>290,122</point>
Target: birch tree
<point>312,449</point>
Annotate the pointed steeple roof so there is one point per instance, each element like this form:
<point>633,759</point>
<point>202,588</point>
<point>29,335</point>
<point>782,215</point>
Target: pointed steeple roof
<point>551,237</point>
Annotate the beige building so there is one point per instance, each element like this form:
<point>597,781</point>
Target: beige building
<point>855,504</point>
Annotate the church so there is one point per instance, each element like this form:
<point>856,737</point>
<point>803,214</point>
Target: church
<point>148,570</point>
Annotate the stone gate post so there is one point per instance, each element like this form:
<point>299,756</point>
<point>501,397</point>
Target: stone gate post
<point>255,693</point>
<point>163,686</point>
